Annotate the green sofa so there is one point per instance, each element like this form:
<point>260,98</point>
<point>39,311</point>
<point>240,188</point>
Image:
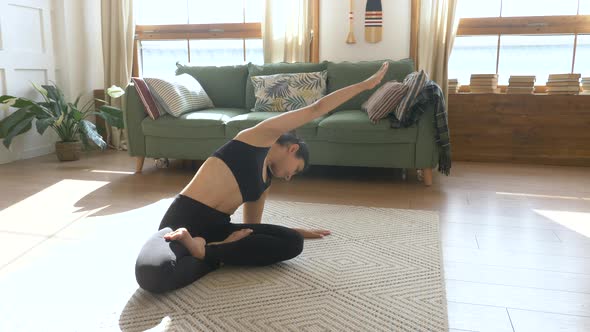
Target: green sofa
<point>346,137</point>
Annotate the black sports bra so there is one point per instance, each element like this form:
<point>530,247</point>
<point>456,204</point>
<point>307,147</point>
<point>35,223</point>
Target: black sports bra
<point>246,162</point>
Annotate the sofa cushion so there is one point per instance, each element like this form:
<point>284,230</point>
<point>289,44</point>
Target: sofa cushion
<point>225,85</point>
<point>277,68</point>
<point>309,131</point>
<point>208,123</point>
<point>354,126</point>
<point>288,92</point>
<point>344,74</point>
<point>244,121</point>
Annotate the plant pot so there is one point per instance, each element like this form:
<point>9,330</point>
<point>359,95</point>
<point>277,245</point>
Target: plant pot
<point>68,151</point>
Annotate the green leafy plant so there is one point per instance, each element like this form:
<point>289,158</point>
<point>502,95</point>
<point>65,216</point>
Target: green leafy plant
<point>69,120</point>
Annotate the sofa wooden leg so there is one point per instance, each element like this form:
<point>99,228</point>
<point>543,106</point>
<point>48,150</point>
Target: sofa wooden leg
<point>427,174</point>
<point>139,164</point>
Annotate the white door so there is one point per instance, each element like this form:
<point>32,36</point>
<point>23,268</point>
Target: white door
<point>26,55</point>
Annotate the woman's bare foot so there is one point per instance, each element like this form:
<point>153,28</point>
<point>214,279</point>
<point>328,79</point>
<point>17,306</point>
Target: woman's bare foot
<point>377,77</point>
<point>179,234</point>
<point>195,245</point>
<point>235,236</point>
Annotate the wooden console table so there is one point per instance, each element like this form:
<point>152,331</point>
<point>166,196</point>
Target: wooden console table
<point>540,129</point>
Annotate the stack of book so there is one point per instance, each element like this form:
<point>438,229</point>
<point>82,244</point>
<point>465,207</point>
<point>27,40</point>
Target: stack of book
<point>453,85</point>
<point>521,84</point>
<point>484,83</point>
<point>563,84</point>
<point>585,86</point>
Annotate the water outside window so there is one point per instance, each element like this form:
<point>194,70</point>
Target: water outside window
<point>254,51</point>
<point>535,55</point>
<point>582,65</point>
<point>159,57</point>
<point>473,55</point>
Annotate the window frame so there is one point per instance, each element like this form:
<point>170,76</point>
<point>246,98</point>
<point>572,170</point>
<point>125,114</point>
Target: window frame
<point>498,26</point>
<point>187,32</point>
<point>526,25</point>
<point>250,30</point>
<point>199,31</point>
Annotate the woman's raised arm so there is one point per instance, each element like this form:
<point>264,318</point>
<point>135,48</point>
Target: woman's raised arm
<point>268,131</point>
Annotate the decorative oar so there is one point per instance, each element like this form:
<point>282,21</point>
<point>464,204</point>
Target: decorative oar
<point>350,39</point>
<point>373,21</point>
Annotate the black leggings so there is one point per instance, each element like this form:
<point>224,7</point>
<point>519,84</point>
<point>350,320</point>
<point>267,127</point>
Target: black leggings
<point>167,265</point>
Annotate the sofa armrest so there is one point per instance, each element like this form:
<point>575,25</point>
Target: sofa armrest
<point>426,146</point>
<point>134,113</point>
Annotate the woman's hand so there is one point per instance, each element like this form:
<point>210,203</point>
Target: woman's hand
<point>312,233</point>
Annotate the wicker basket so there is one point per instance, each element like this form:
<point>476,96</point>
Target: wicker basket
<point>68,151</point>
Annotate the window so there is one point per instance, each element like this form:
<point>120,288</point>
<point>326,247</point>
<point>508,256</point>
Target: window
<point>552,55</point>
<point>223,32</point>
<point>158,57</point>
<point>473,54</point>
<point>539,7</point>
<point>583,55</point>
<point>521,37</point>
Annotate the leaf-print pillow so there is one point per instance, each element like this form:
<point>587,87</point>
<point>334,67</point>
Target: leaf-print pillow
<point>287,92</point>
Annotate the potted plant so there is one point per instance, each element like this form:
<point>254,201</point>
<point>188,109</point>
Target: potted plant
<point>68,120</point>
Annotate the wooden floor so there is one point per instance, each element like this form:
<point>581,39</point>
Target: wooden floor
<point>516,238</point>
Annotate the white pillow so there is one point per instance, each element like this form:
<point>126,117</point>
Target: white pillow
<point>179,95</point>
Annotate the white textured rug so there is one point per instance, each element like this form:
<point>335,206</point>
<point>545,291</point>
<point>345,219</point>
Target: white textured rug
<point>380,270</point>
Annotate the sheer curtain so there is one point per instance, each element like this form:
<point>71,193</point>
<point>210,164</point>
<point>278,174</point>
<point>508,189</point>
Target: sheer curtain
<point>286,31</point>
<point>118,30</point>
<point>437,29</point>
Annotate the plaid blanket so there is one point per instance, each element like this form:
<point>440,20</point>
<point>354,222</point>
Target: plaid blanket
<point>431,94</point>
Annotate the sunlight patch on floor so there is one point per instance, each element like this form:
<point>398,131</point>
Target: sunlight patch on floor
<point>62,195</point>
<point>110,172</point>
<point>543,196</point>
<point>578,222</point>
<point>50,209</point>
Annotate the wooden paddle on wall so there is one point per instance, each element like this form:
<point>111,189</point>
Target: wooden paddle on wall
<point>350,39</point>
<point>373,21</point>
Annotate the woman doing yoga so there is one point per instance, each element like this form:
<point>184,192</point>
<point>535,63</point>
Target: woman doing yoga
<point>196,236</point>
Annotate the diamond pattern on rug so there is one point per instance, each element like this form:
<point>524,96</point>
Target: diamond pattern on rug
<point>381,270</point>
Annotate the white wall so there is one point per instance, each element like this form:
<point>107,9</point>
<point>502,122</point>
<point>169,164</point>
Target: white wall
<point>43,41</point>
<point>26,55</point>
<point>394,45</point>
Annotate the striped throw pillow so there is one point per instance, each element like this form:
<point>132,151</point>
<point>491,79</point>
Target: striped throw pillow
<point>384,100</point>
<point>415,82</point>
<point>149,104</point>
<point>180,95</point>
